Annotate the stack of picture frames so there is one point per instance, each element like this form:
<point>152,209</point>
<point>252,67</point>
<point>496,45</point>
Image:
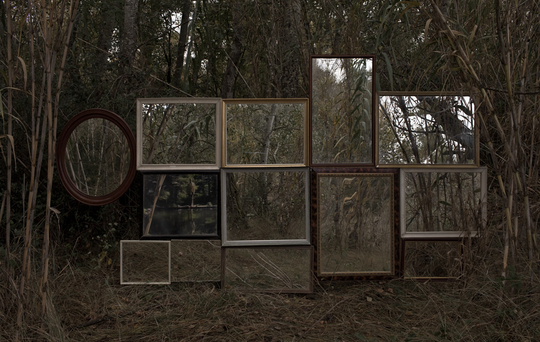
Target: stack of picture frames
<point>271,194</point>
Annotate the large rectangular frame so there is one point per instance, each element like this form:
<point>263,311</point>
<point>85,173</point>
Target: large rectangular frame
<point>315,224</point>
<point>225,102</point>
<point>224,235</point>
<point>270,267</point>
<point>170,167</point>
<point>476,163</point>
<point>440,235</point>
<point>122,282</point>
<point>373,99</point>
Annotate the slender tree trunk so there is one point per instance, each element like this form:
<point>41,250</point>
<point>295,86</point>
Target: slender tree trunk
<point>129,41</point>
<point>182,43</point>
<point>227,90</point>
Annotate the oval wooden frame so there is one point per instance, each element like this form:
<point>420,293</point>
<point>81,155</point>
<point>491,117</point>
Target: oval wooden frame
<point>61,156</point>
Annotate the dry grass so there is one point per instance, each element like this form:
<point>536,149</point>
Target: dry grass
<point>90,305</point>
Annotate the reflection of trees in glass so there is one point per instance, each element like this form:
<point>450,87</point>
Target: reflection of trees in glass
<point>179,133</point>
<point>265,133</point>
<point>426,130</point>
<point>443,201</point>
<point>355,222</point>
<point>97,157</point>
<point>180,204</point>
<point>341,110</point>
<point>266,205</point>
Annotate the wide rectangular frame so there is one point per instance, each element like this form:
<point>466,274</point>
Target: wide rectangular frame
<point>282,242</point>
<point>373,99</point>
<point>315,233</point>
<point>178,100</point>
<point>278,290</point>
<point>476,163</point>
<point>225,102</point>
<point>122,282</point>
<point>214,244</point>
<point>440,235</point>
<point>216,236</point>
<point>428,278</point>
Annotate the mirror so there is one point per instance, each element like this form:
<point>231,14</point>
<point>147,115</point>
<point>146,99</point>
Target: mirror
<point>342,94</point>
<point>145,262</point>
<point>96,157</point>
<point>432,259</point>
<point>426,129</point>
<point>195,261</point>
<point>265,206</point>
<point>179,205</point>
<point>265,132</point>
<point>178,133</point>
<point>356,225</point>
<point>442,203</point>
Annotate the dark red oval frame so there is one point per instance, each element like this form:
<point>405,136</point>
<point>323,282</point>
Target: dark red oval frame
<point>61,156</point>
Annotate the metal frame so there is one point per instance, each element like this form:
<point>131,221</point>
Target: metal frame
<point>170,167</point>
<point>63,139</point>
<point>122,282</point>
<point>373,99</point>
<point>438,235</point>
<point>226,102</point>
<point>415,165</point>
<point>393,174</point>
<point>270,268</point>
<point>227,242</point>
<point>181,236</point>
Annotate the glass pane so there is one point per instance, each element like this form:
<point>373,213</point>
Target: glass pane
<point>266,205</point>
<point>179,133</point>
<point>434,259</point>
<point>181,204</point>
<point>97,157</point>
<point>356,224</point>
<point>195,261</point>
<point>420,129</point>
<point>265,133</point>
<point>145,262</point>
<point>341,110</point>
<point>274,269</point>
<point>443,201</point>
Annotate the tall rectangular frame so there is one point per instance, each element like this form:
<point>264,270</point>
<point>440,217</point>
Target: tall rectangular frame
<point>395,217</point>
<point>372,114</point>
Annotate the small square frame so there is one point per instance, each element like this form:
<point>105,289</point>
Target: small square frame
<point>154,242</point>
<point>305,133</point>
<point>145,236</point>
<point>274,242</point>
<point>180,166</point>
<point>393,174</point>
<point>441,235</point>
<point>271,268</point>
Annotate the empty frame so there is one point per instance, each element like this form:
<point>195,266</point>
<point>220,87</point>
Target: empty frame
<point>195,261</point>
<point>178,133</point>
<point>433,260</point>
<point>265,132</point>
<point>145,262</point>
<point>356,231</point>
<point>342,97</point>
<point>181,205</point>
<point>442,203</point>
<point>269,269</point>
<point>426,128</point>
<point>265,206</point>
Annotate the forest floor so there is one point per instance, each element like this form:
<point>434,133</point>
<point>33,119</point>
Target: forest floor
<point>91,305</point>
